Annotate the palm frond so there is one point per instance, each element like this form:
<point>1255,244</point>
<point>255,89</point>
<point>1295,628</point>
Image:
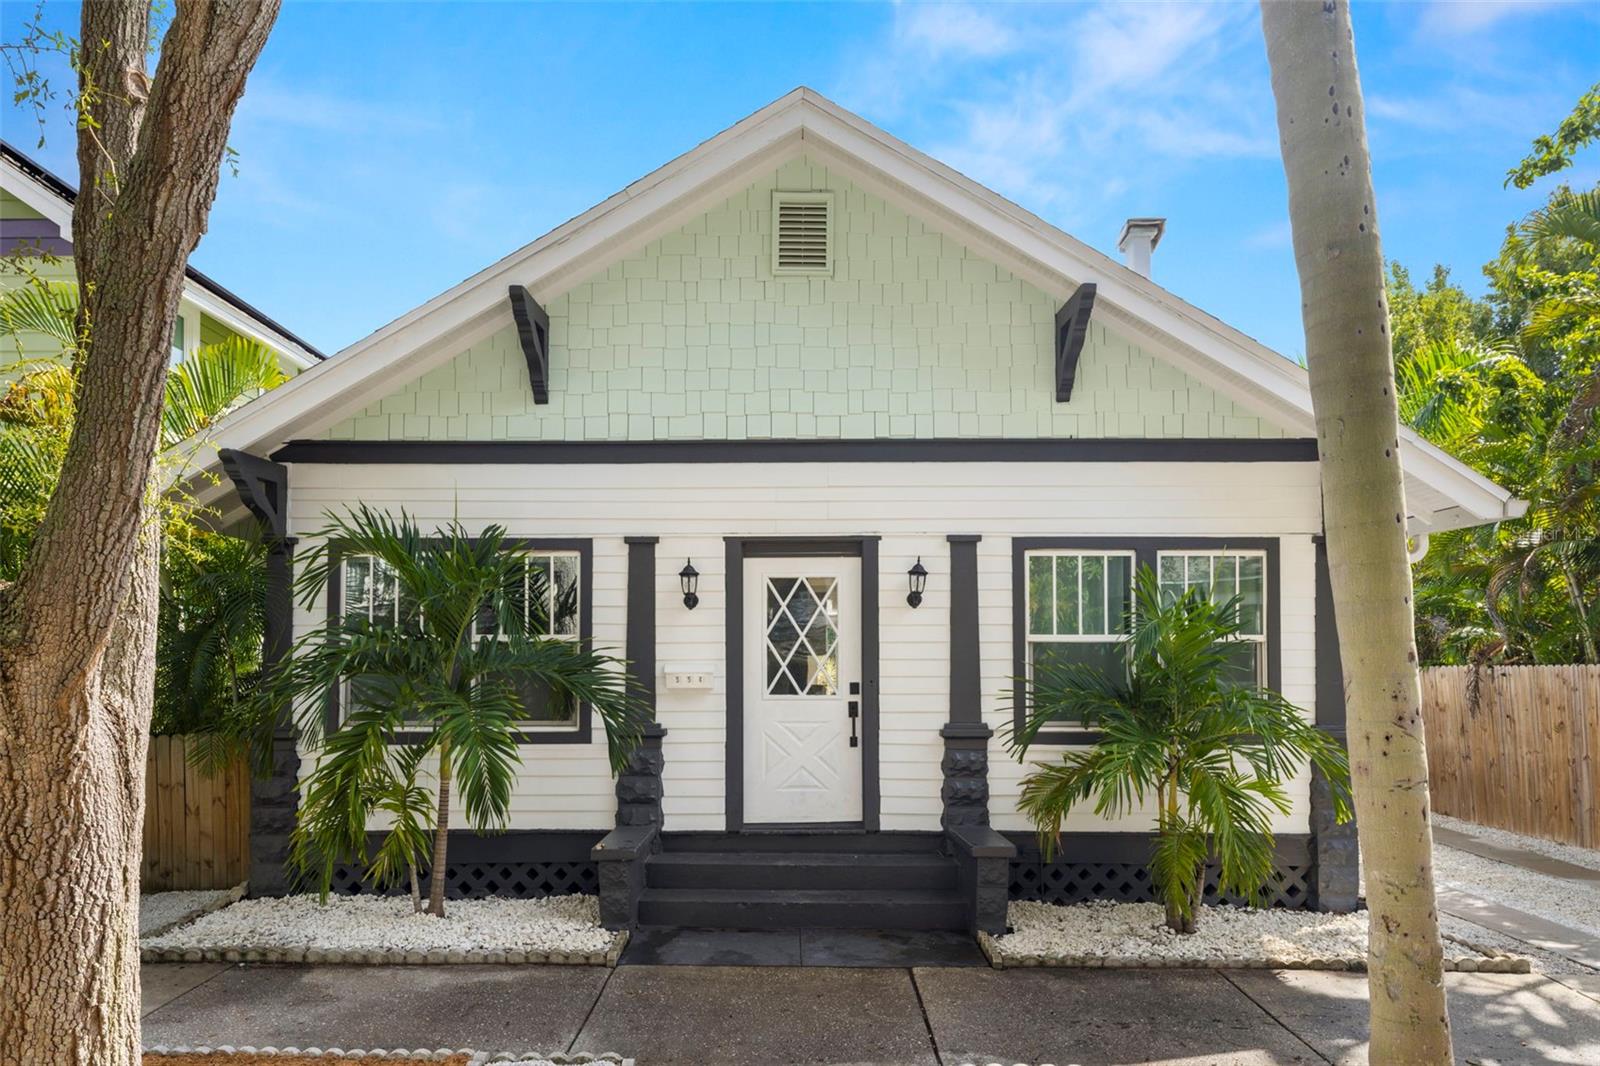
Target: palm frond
<point>213,380</point>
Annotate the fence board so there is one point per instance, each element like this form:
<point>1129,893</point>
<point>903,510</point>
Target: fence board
<point>196,828</point>
<point>1522,757</point>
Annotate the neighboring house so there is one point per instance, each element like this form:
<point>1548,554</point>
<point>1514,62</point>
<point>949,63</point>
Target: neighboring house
<point>803,359</point>
<point>36,241</point>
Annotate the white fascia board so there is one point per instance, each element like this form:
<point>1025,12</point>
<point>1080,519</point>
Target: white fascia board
<point>241,323</point>
<point>21,184</point>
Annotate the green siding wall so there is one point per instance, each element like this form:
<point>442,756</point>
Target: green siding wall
<point>912,336</point>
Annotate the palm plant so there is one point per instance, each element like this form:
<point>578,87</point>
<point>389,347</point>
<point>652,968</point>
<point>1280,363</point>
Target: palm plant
<point>441,685</point>
<point>1213,755</point>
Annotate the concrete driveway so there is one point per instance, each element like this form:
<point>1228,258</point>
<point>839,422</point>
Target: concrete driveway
<point>769,1015</point>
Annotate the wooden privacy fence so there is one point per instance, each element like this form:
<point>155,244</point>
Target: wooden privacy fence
<point>1524,756</point>
<point>196,828</point>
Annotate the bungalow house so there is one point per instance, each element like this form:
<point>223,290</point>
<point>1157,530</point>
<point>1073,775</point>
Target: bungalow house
<point>36,242</point>
<point>901,440</point>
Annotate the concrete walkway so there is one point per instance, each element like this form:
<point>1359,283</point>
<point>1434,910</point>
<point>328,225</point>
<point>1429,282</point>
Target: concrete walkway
<point>917,1016</point>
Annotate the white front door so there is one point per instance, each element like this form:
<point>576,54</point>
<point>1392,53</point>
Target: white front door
<point>802,703</point>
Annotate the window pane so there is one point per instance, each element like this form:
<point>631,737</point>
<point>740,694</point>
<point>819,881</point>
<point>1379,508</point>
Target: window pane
<point>1224,578</point>
<point>565,569</point>
<point>538,615</point>
<point>357,587</point>
<point>1171,577</point>
<point>1199,573</point>
<point>1252,595</point>
<point>1094,594</point>
<point>1067,595</point>
<point>1041,603</point>
<point>1119,585</point>
<point>1243,667</point>
<point>1051,660</point>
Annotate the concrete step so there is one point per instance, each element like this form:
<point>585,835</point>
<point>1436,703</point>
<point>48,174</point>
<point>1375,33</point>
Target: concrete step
<point>743,908</point>
<point>849,842</point>
<point>836,871</point>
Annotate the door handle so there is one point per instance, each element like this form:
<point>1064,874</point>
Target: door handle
<point>854,707</point>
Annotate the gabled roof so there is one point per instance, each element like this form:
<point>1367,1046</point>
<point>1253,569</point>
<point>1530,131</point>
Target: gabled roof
<point>1443,493</point>
<point>53,198</point>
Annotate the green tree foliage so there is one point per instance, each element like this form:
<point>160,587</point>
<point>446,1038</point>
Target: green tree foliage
<point>208,644</point>
<point>1212,755</point>
<point>441,686</point>
<point>1551,154</point>
<point>1516,396</point>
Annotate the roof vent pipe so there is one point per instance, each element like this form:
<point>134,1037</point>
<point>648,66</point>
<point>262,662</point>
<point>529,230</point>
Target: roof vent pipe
<point>1139,238</point>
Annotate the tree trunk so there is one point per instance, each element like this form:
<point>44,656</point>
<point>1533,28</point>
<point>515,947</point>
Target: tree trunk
<point>77,628</point>
<point>416,889</point>
<point>1334,219</point>
<point>441,838</point>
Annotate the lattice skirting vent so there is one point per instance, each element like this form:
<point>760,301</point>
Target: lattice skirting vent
<point>514,880</point>
<point>1062,881</point>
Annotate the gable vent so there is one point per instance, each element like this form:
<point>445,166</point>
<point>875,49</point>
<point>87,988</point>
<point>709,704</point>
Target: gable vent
<point>802,233</point>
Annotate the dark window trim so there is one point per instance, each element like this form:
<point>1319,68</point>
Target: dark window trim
<point>1145,551</point>
<point>584,546</point>
<point>737,550</point>
<point>875,450</point>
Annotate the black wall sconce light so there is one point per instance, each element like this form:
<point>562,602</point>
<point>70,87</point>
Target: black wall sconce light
<point>919,581</point>
<point>689,578</point>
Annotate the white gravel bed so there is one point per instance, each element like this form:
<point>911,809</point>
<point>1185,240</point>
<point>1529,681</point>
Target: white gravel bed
<point>1588,857</point>
<point>160,911</point>
<point>1135,934</point>
<point>1575,904</point>
<point>376,925</point>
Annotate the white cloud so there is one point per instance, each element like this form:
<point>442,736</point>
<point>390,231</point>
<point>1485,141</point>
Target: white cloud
<point>943,30</point>
<point>1043,102</point>
<point>1469,16</point>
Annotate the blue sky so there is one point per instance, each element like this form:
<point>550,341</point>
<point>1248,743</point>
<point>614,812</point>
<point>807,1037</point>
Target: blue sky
<point>389,150</point>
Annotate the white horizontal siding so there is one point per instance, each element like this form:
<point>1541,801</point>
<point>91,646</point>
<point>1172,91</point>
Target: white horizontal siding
<point>911,506</point>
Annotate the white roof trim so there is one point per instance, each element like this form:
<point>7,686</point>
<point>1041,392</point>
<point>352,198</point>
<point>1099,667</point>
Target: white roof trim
<point>803,121</point>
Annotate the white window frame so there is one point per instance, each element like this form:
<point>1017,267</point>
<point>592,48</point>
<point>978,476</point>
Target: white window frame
<point>1263,668</point>
<point>1030,639</point>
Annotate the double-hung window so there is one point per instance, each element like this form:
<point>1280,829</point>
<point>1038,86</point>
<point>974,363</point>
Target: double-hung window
<point>1221,577</point>
<point>370,596</point>
<point>1079,609</point>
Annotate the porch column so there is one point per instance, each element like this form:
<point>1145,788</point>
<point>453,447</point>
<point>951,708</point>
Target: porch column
<point>966,738</point>
<point>1335,850</point>
<point>263,487</point>
<point>639,785</point>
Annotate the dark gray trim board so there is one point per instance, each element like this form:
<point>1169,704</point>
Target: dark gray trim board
<point>880,450</point>
<point>263,488</point>
<point>1072,330</point>
<point>1145,550</point>
<point>736,550</point>
<point>584,546</point>
<point>1292,848</point>
<point>641,623</point>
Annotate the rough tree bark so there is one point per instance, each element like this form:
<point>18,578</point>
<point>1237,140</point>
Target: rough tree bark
<point>77,629</point>
<point>1311,49</point>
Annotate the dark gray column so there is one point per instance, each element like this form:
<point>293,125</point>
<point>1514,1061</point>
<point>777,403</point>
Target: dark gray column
<point>966,738</point>
<point>1335,848</point>
<point>639,785</point>
<point>263,487</point>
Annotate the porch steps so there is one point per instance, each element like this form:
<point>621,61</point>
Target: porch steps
<point>799,882</point>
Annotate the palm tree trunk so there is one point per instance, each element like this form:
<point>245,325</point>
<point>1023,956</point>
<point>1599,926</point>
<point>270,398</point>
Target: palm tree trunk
<point>1321,122</point>
<point>416,888</point>
<point>441,837</point>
